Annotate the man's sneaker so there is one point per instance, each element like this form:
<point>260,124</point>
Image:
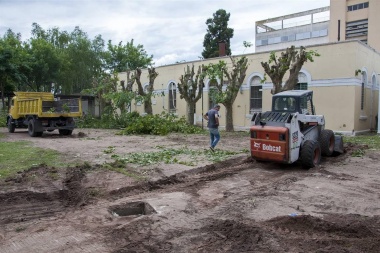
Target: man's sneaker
<point>212,149</point>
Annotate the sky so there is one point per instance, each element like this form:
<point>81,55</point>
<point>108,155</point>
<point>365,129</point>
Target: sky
<point>170,30</point>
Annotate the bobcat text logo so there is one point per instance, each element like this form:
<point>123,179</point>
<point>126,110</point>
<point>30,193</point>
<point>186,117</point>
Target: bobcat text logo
<point>269,147</point>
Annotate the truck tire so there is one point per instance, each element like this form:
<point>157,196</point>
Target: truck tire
<point>11,127</point>
<point>65,131</point>
<point>327,141</point>
<point>32,129</point>
<point>310,154</point>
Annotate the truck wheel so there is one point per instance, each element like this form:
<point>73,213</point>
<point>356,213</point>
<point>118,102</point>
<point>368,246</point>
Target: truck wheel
<point>310,154</point>
<point>31,129</point>
<point>65,131</point>
<point>327,141</point>
<point>11,127</point>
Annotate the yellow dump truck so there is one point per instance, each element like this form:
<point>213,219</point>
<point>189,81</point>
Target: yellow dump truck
<point>40,111</point>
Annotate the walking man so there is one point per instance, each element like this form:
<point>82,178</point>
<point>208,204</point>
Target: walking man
<point>212,117</point>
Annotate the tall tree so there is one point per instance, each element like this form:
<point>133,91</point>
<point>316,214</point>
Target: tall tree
<point>217,31</point>
<point>291,60</point>
<point>226,92</point>
<point>146,94</point>
<point>121,58</point>
<point>80,59</point>
<point>190,87</point>
<point>45,66</point>
<point>13,63</point>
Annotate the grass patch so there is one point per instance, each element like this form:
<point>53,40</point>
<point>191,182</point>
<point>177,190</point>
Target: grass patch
<point>182,155</point>
<point>120,167</point>
<point>18,156</point>
<point>371,140</point>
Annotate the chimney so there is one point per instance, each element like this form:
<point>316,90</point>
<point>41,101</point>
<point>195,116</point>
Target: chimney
<point>222,48</point>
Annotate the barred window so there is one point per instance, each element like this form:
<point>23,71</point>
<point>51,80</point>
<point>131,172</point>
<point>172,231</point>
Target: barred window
<point>172,97</point>
<point>256,98</point>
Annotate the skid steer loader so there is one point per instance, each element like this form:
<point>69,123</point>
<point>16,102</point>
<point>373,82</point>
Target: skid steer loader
<point>292,132</point>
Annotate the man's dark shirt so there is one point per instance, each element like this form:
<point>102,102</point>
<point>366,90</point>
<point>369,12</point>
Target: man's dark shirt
<point>212,119</point>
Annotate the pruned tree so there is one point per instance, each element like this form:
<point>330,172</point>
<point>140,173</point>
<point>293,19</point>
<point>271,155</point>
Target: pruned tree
<point>291,60</point>
<point>122,99</point>
<point>226,92</point>
<point>217,31</point>
<point>190,88</point>
<point>146,94</point>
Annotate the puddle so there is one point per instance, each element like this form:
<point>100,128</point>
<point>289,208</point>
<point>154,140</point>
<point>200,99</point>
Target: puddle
<point>132,208</point>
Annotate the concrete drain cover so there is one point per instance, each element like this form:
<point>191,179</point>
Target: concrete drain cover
<point>132,208</point>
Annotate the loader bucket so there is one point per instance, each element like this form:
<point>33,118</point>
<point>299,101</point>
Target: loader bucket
<point>338,148</point>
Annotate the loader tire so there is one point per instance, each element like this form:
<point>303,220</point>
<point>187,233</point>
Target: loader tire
<point>11,127</point>
<point>310,154</point>
<point>327,141</point>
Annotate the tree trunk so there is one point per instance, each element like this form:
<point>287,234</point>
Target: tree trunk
<point>190,113</point>
<point>148,106</point>
<point>229,118</point>
<point>2,96</point>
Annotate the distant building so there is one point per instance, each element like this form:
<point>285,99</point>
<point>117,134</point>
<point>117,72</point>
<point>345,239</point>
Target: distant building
<point>350,103</point>
<point>342,20</point>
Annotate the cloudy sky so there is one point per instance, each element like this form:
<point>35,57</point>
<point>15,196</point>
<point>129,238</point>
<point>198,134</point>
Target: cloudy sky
<point>170,30</point>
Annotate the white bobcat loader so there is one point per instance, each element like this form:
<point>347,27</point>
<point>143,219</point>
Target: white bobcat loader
<point>292,131</point>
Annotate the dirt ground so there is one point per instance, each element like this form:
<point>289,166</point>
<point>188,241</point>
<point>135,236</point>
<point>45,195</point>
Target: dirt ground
<point>238,205</point>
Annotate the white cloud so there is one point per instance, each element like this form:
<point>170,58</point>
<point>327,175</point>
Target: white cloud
<point>171,30</point>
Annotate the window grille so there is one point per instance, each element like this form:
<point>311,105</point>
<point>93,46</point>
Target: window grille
<point>256,99</point>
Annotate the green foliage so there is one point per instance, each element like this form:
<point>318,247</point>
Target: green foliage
<point>108,120</point>
<point>247,44</point>
<point>357,72</point>
<point>159,124</point>
<point>190,88</point>
<point>226,92</point>
<point>69,60</point>
<point>3,118</point>
<point>65,107</point>
<point>17,156</point>
<point>371,141</point>
<point>133,123</point>
<point>120,166</point>
<point>182,155</point>
<point>217,31</point>
<point>121,58</point>
<point>291,60</point>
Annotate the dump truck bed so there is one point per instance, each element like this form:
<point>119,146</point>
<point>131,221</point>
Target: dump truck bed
<point>43,105</point>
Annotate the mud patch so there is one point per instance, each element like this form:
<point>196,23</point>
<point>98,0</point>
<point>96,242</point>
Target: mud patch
<point>75,193</point>
<point>332,233</point>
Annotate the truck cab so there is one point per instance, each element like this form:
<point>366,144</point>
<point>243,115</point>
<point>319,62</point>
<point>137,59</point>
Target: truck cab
<point>300,101</point>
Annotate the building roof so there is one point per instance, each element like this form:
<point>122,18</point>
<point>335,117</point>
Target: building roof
<point>293,93</point>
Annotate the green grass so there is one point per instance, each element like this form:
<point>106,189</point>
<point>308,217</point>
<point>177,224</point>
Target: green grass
<point>371,140</point>
<point>182,155</point>
<point>18,156</point>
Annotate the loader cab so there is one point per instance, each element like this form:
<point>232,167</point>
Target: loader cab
<point>300,101</point>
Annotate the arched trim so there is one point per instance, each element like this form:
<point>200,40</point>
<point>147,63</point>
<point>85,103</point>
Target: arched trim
<point>168,84</point>
<point>251,76</point>
<point>307,74</point>
<point>374,78</point>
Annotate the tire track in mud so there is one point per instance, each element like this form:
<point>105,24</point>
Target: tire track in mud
<point>27,205</point>
<point>197,177</point>
<point>44,200</point>
<point>188,179</point>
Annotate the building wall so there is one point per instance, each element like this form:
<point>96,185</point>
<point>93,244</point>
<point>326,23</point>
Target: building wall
<point>337,91</point>
<point>338,11</point>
